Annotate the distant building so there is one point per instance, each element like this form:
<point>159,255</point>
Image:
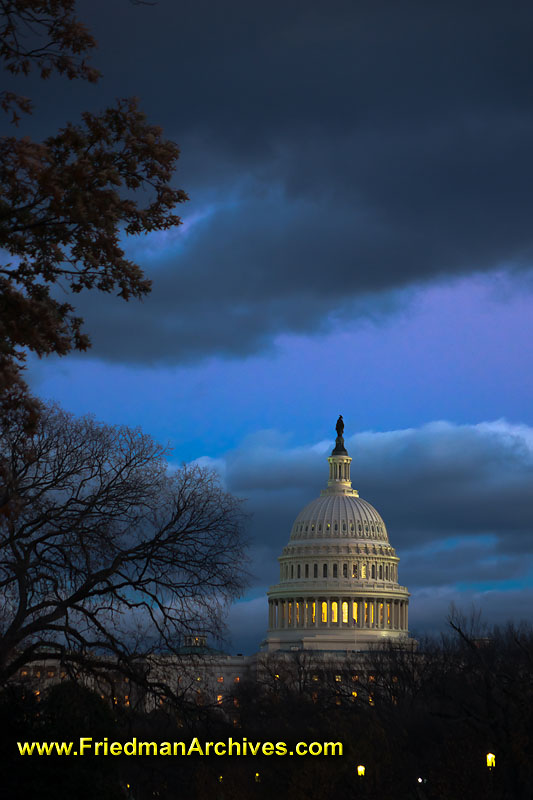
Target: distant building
<point>338,586</point>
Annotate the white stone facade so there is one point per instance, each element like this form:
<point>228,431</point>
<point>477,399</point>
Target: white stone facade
<point>338,587</point>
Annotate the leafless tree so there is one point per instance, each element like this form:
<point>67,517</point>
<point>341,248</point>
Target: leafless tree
<point>105,554</point>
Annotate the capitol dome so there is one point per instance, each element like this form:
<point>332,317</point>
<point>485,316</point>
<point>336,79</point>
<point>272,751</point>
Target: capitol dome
<point>338,586</point>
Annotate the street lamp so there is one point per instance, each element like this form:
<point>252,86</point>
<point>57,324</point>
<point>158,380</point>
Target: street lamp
<point>491,760</point>
<point>361,770</point>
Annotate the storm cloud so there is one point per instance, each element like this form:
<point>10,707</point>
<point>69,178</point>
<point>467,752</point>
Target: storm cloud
<point>337,158</point>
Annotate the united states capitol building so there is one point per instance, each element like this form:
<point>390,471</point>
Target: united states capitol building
<point>338,587</point>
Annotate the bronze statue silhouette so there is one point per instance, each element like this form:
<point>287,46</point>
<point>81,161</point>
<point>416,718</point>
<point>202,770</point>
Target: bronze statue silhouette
<point>339,427</point>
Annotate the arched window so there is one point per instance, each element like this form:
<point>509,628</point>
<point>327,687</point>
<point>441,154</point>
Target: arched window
<point>299,575</point>
<point>325,571</point>
<point>363,570</point>
<point>373,570</point>
<point>324,612</point>
<point>381,572</point>
<point>292,570</point>
<point>354,570</point>
<point>307,570</point>
<point>345,570</point>
<point>335,571</point>
<point>336,527</point>
<point>315,570</point>
<point>345,613</point>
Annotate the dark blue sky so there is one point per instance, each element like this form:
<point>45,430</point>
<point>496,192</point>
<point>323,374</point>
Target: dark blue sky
<point>358,240</point>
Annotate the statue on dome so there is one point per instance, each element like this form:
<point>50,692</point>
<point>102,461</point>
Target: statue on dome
<point>339,427</point>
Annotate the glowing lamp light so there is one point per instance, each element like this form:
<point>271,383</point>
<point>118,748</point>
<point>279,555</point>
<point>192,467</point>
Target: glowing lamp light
<point>360,770</point>
<point>419,780</point>
<point>491,760</point>
<point>220,778</point>
<point>257,777</point>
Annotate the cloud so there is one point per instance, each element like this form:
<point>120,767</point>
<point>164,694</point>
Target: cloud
<point>335,161</point>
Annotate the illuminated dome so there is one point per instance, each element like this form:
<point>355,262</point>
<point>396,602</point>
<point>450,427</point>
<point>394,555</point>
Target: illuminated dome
<point>338,586</point>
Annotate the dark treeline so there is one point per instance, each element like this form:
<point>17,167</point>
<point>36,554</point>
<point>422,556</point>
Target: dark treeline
<point>431,713</point>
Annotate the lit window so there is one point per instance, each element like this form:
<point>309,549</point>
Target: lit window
<point>236,702</point>
<point>354,570</point>
<point>315,678</point>
<point>328,526</point>
<point>236,680</point>
<point>334,611</point>
<point>24,673</point>
<point>355,677</point>
<point>354,695</point>
<point>345,613</point>
<point>324,612</point>
<point>51,673</point>
<point>220,679</point>
<point>338,678</point>
<point>363,570</point>
<point>219,699</point>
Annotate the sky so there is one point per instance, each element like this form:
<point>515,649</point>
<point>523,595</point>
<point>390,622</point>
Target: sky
<point>358,240</point>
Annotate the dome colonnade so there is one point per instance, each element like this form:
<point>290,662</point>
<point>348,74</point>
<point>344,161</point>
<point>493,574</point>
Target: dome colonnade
<point>338,584</point>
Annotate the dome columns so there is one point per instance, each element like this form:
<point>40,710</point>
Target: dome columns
<point>339,612</point>
<point>339,472</point>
